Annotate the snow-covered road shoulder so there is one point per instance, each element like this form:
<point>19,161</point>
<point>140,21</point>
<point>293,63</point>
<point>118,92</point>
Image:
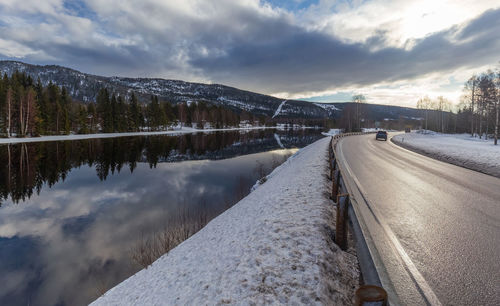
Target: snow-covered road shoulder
<point>274,246</point>
<point>458,149</point>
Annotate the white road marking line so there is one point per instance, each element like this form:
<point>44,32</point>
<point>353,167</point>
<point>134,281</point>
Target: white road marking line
<point>417,276</point>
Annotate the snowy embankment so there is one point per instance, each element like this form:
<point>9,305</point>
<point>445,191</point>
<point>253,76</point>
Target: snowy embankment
<point>458,149</point>
<point>272,247</point>
<point>177,131</point>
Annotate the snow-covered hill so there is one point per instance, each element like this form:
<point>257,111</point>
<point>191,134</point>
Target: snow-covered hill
<point>84,87</point>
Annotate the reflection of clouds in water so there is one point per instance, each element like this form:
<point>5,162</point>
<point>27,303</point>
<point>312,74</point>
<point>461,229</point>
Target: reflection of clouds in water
<point>16,281</point>
<point>20,263</point>
<point>87,227</point>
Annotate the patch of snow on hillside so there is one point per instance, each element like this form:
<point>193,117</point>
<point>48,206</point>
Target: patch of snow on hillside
<point>459,149</point>
<point>235,103</point>
<point>278,110</point>
<point>327,106</point>
<point>272,247</point>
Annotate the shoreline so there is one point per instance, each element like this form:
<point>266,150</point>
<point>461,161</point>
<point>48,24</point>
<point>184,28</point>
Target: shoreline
<point>184,130</point>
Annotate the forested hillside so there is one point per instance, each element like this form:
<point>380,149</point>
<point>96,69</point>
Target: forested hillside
<point>85,88</point>
<point>27,108</point>
<point>53,100</point>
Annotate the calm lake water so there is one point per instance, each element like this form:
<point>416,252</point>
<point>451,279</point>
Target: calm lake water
<point>72,213</point>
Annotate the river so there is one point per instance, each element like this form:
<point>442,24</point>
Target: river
<point>78,217</point>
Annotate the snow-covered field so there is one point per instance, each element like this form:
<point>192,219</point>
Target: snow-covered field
<point>272,247</point>
<point>459,149</point>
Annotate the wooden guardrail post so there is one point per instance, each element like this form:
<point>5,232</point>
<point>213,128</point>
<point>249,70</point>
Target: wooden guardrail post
<point>333,167</point>
<point>342,217</point>
<point>370,295</point>
<point>335,184</point>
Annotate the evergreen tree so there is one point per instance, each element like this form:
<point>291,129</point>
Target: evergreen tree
<point>65,105</point>
<point>169,112</point>
<point>92,115</point>
<point>3,93</point>
<point>122,110</point>
<point>114,113</point>
<point>135,116</point>
<point>104,111</point>
<point>82,120</point>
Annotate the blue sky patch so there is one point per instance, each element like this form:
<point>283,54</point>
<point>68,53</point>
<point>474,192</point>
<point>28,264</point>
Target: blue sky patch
<point>292,5</point>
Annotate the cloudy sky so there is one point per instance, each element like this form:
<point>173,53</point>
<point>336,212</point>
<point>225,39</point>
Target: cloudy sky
<point>392,51</point>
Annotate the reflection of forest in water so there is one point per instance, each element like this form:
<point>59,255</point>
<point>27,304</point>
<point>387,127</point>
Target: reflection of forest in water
<point>67,244</point>
<point>26,167</point>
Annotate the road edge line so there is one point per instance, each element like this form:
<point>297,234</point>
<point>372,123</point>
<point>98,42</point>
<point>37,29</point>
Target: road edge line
<point>420,281</point>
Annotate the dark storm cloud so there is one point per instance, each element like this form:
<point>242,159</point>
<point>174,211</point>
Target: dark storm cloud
<point>297,60</point>
<point>486,23</point>
<point>243,44</point>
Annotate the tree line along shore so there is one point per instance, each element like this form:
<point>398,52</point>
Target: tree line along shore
<point>28,108</point>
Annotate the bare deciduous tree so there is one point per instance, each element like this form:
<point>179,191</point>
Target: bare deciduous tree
<point>497,102</point>
<point>358,99</point>
<point>425,104</point>
<point>471,88</point>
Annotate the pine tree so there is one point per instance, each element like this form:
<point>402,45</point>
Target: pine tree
<point>104,111</point>
<point>82,120</point>
<point>113,117</point>
<point>3,94</point>
<point>169,112</point>
<point>135,114</point>
<point>65,105</point>
<point>92,115</point>
<point>121,119</point>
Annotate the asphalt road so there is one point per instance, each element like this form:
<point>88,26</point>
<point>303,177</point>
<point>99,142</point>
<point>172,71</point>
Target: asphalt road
<point>434,228</point>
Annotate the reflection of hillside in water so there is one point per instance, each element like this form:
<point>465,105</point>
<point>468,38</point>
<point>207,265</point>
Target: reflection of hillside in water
<point>249,145</point>
<point>72,242</point>
<point>26,167</point>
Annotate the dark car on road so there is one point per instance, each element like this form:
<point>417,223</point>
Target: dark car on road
<point>381,135</point>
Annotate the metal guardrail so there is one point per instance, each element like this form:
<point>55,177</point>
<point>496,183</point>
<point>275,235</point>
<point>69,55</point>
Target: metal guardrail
<point>372,290</point>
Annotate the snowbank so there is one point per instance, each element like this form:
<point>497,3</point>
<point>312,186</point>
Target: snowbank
<point>177,131</point>
<point>272,247</point>
<point>459,149</point>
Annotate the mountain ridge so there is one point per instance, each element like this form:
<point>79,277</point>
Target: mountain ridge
<point>84,87</point>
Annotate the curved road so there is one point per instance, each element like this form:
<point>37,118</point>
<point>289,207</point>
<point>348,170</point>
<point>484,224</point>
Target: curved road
<point>434,228</point>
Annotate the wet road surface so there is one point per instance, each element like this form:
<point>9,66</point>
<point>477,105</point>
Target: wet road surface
<point>435,227</point>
